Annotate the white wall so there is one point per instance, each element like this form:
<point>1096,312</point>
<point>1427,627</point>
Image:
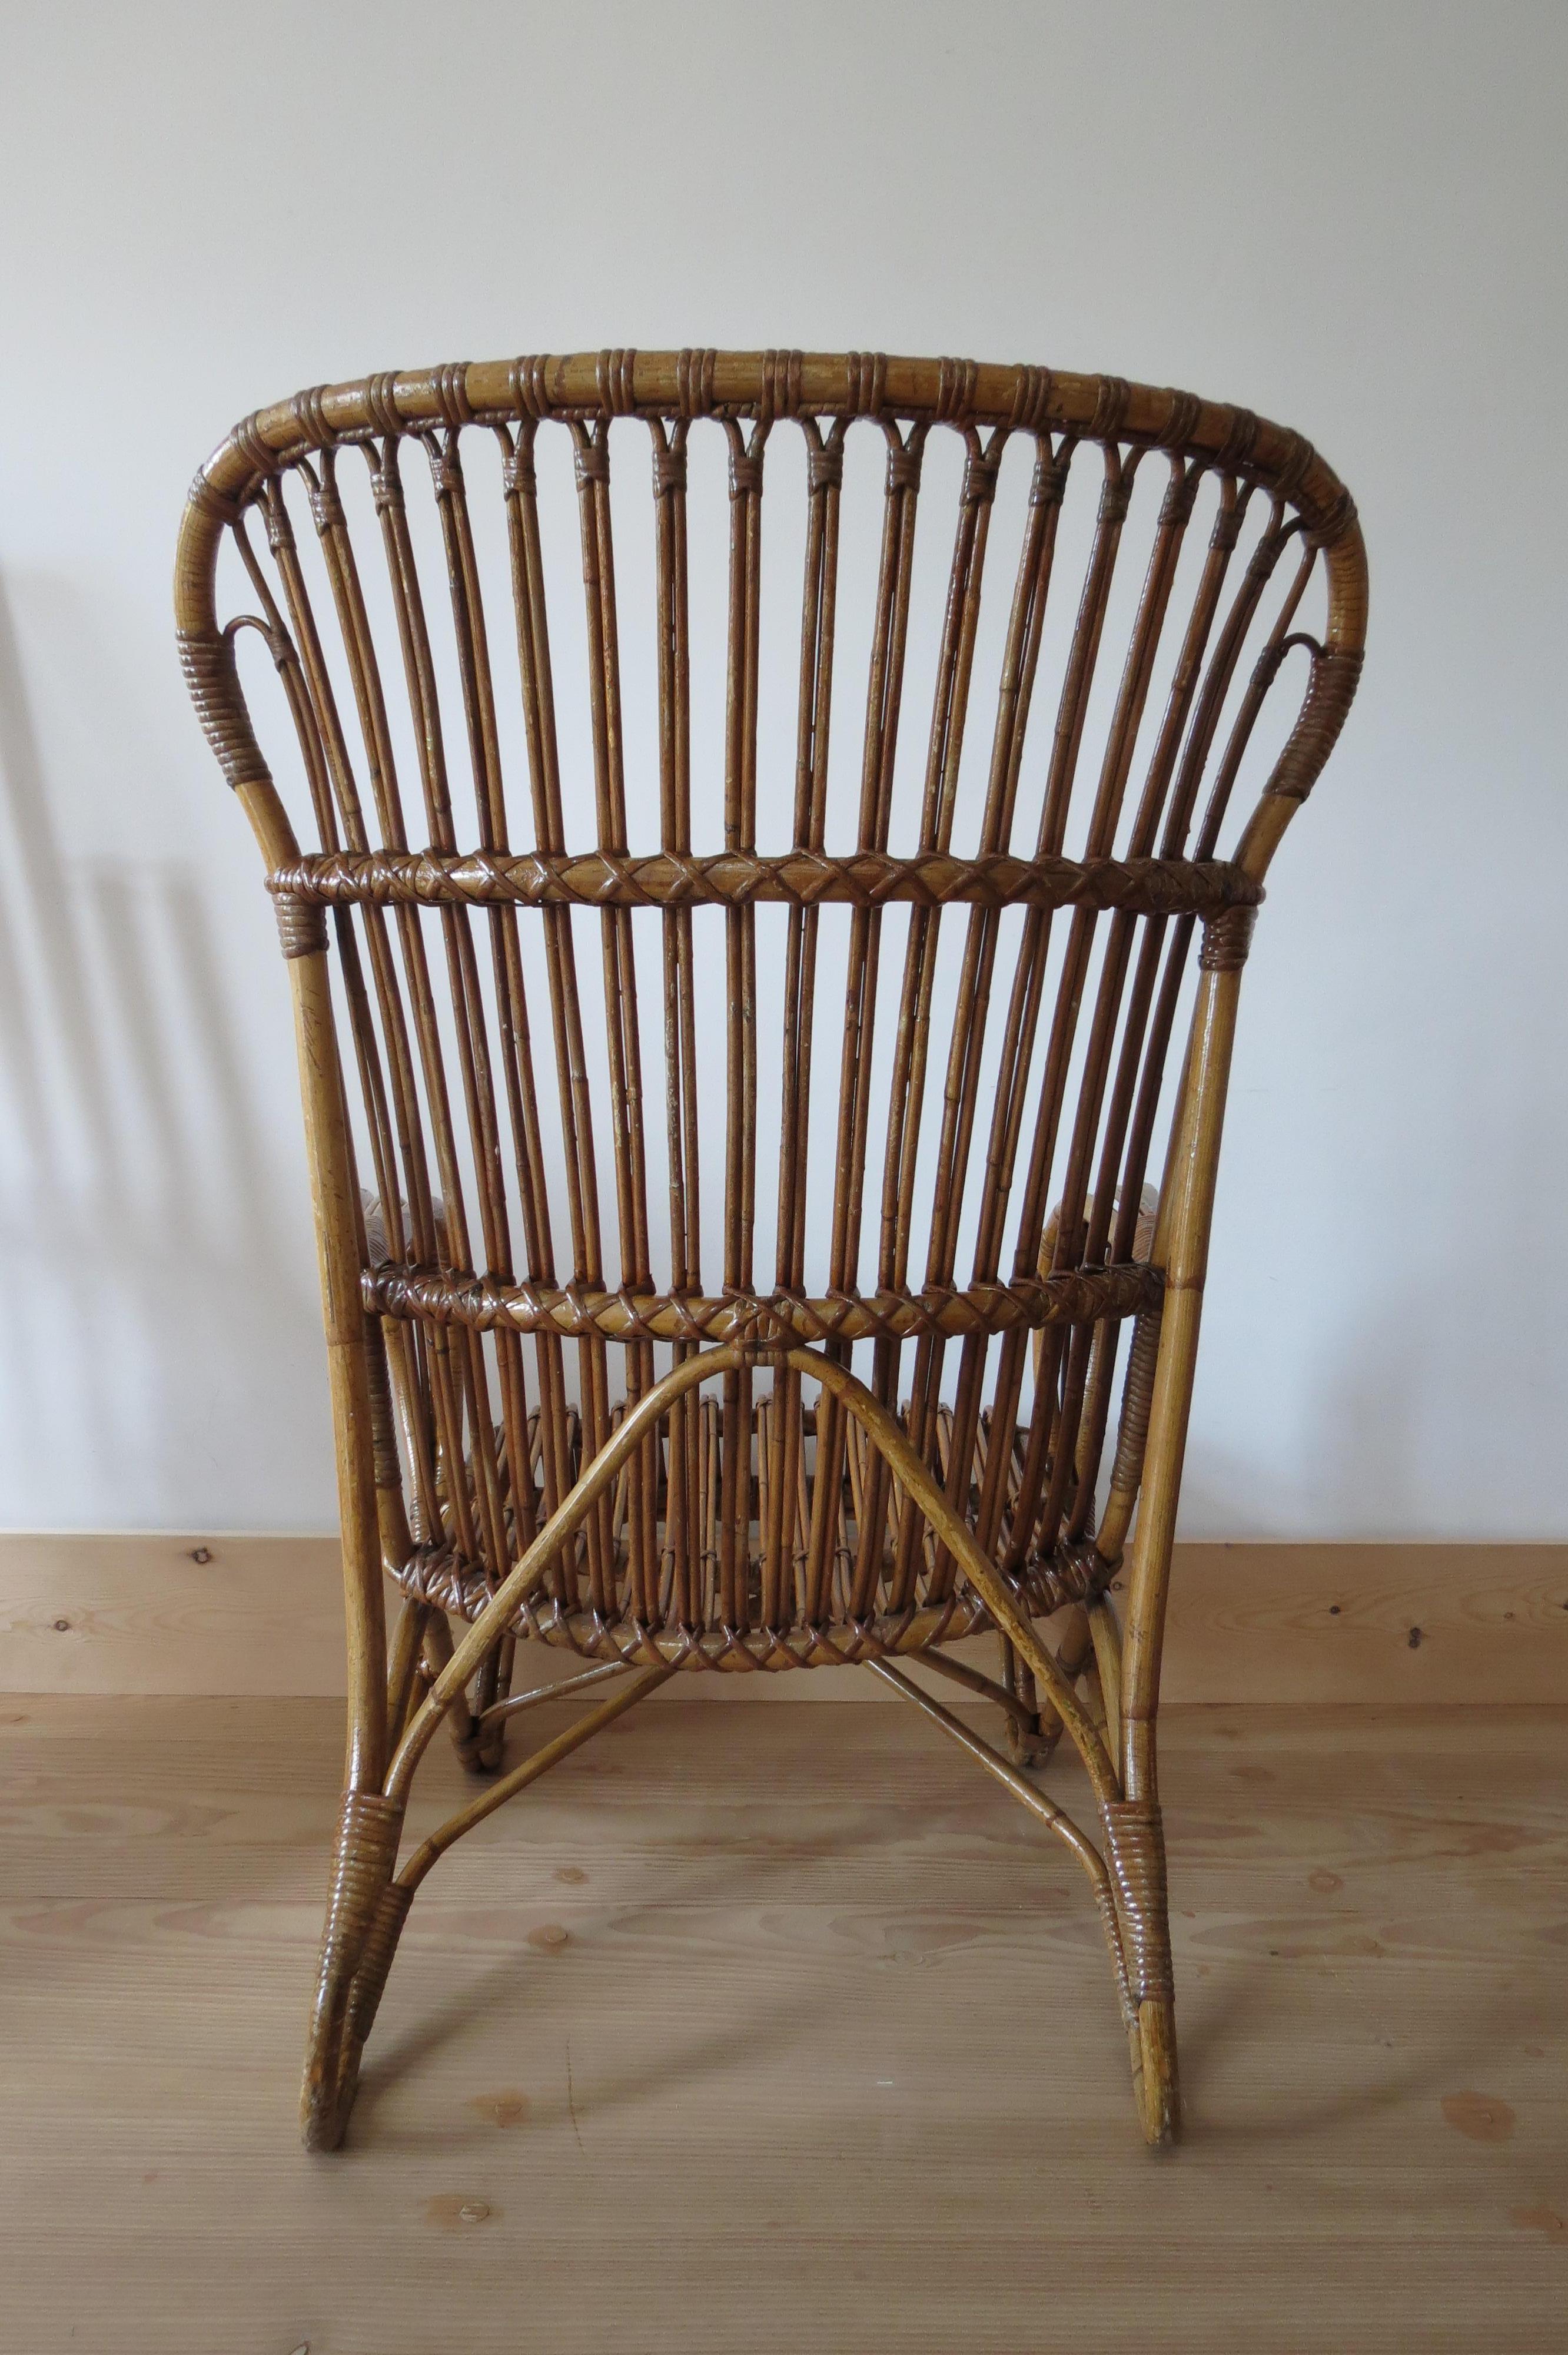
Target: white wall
<point>1350,218</point>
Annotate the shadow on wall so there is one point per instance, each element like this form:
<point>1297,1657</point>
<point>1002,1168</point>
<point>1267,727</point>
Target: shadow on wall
<point>136,1197</point>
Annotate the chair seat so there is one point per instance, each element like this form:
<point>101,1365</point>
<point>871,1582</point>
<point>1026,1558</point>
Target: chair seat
<point>930,1603</point>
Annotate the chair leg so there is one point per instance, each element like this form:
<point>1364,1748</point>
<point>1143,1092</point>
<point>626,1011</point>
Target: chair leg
<point>461,1723</point>
<point>1074,1652</point>
<point>1026,1745</point>
<point>363,1860</point>
<point>1135,1840</point>
<point>493,1684</point>
<point>1156,2082</point>
<point>370,1983</point>
<point>1135,1851</point>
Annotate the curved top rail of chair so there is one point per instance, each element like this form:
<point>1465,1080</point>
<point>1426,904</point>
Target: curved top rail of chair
<point>584,387</point>
<point>767,385</point>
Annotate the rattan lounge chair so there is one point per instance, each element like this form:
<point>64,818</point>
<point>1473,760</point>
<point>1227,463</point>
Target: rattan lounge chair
<point>880,1338</point>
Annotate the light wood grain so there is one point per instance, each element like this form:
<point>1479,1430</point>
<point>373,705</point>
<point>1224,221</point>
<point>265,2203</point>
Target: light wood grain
<point>778,2046</point>
<point>1273,1623</point>
<point>105,1613</point>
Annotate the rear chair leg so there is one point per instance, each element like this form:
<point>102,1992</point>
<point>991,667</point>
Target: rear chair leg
<point>370,1980</point>
<point>1155,2083</point>
<point>1033,1746</point>
<point>1027,1745</point>
<point>494,1683</point>
<point>460,1722</point>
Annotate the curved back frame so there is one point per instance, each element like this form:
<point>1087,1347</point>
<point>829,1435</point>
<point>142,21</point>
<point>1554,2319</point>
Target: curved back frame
<point>516,1270</point>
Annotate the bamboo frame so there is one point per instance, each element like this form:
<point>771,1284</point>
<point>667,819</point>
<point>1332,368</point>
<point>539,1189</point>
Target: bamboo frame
<point>804,1516</point>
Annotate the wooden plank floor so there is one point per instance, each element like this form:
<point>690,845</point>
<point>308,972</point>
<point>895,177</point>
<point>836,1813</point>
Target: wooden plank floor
<point>827,2058</point>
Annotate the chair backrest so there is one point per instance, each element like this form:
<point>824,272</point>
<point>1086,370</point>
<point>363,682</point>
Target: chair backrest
<point>903,972</point>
